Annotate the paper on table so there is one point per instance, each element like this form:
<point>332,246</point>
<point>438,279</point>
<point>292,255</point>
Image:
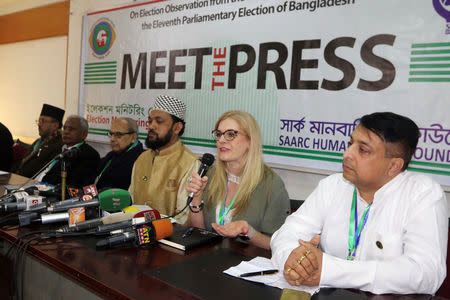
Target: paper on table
<point>3,172</point>
<point>275,280</point>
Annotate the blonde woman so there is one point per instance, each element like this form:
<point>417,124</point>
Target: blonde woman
<point>241,195</point>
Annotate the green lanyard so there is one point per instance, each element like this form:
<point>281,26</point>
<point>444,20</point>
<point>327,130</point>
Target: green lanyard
<point>37,144</point>
<point>79,144</point>
<point>109,162</point>
<point>224,211</point>
<point>354,232</point>
<point>57,160</point>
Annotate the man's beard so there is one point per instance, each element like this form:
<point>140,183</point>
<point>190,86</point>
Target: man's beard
<point>159,142</point>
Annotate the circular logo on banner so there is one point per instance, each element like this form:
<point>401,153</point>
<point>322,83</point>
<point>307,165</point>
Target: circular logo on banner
<point>442,7</point>
<point>102,37</point>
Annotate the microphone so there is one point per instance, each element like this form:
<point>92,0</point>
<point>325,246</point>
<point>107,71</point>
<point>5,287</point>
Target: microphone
<point>33,212</point>
<point>14,197</point>
<point>91,190</point>
<point>145,234</point>
<point>26,203</point>
<point>207,161</point>
<point>13,206</point>
<point>18,195</point>
<point>70,153</point>
<point>138,219</point>
<point>44,207</point>
<point>27,218</point>
<point>53,218</point>
<point>112,200</point>
<point>67,206</point>
<point>110,219</point>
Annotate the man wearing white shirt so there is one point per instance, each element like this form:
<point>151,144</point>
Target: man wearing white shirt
<point>382,229</point>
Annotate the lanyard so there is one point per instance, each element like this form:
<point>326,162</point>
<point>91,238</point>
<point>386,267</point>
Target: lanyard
<point>78,145</point>
<point>37,144</point>
<point>354,231</point>
<point>224,211</point>
<point>109,162</point>
<point>52,164</point>
<point>57,160</point>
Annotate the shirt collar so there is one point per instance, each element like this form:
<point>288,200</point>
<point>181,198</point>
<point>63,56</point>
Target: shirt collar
<point>169,150</point>
<point>65,147</point>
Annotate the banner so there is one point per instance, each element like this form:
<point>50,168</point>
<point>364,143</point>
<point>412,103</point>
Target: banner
<point>306,70</point>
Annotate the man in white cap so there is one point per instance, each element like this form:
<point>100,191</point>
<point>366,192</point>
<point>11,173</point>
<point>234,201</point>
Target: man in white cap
<point>160,174</point>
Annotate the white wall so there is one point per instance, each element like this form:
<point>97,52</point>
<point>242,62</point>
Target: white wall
<point>32,73</point>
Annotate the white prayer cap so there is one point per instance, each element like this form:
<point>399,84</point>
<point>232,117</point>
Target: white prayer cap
<point>170,105</point>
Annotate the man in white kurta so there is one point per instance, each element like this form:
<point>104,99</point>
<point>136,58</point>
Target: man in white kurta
<point>402,245</point>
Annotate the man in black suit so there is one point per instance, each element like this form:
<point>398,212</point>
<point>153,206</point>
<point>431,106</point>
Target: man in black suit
<point>114,170</point>
<point>6,143</point>
<point>80,167</point>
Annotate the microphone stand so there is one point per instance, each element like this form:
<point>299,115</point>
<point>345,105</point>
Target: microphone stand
<point>63,179</point>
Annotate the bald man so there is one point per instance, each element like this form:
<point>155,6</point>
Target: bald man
<point>114,170</point>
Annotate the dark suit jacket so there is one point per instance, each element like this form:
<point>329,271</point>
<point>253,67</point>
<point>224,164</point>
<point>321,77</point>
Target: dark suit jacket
<point>38,158</point>
<point>80,168</point>
<point>6,143</point>
<point>118,173</point>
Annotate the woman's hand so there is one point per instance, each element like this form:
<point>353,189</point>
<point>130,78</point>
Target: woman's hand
<point>196,185</point>
<point>236,228</point>
<point>232,229</point>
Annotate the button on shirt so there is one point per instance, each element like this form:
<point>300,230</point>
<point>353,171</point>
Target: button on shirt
<point>403,245</point>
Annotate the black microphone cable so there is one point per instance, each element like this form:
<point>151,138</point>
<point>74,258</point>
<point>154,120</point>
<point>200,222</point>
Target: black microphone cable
<point>4,220</point>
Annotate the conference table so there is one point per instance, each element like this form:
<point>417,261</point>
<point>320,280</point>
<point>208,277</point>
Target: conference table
<point>71,268</point>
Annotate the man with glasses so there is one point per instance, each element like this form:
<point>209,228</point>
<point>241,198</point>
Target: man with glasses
<point>159,174</point>
<point>382,229</point>
<point>48,145</point>
<point>114,170</point>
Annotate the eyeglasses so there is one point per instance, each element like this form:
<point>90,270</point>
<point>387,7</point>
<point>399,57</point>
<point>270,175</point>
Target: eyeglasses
<point>118,134</point>
<point>229,134</point>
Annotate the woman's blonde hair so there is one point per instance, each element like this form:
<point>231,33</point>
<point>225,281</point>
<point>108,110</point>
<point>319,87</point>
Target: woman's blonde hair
<point>253,171</point>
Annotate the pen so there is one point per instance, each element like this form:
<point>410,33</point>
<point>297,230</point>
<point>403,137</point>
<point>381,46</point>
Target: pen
<point>259,273</point>
<point>188,232</point>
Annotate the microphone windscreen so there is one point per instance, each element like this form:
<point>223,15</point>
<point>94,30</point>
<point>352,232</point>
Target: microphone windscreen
<point>163,228</point>
<point>70,153</point>
<point>136,208</point>
<point>114,200</point>
<point>208,159</point>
